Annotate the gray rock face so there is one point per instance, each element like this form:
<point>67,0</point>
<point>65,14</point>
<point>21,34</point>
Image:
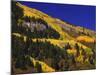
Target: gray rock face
<point>33,26</point>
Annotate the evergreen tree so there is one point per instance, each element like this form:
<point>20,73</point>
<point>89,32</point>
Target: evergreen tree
<point>38,67</point>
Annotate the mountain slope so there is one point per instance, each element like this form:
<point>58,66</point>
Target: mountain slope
<point>53,43</point>
<point>66,31</point>
<point>54,22</point>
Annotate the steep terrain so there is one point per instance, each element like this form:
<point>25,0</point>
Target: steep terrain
<point>53,44</point>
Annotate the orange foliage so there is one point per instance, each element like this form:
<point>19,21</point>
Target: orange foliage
<point>86,39</point>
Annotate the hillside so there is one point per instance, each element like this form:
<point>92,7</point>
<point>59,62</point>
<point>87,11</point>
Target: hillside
<point>54,45</point>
